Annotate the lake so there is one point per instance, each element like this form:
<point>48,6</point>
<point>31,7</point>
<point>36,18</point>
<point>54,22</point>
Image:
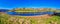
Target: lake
<point>29,13</point>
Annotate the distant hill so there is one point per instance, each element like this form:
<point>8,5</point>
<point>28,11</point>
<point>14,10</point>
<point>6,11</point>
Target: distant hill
<point>32,10</point>
<point>4,10</point>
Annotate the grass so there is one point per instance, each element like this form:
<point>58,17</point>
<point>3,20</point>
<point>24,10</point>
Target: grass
<point>7,19</point>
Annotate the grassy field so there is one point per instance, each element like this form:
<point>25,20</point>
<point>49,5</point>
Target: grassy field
<point>8,19</point>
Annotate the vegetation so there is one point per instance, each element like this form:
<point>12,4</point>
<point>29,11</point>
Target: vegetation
<point>7,19</point>
<point>31,10</point>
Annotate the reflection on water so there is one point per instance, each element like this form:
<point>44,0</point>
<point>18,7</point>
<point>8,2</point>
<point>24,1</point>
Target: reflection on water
<point>29,13</point>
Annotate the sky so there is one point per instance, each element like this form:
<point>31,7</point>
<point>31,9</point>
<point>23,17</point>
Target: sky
<point>9,4</point>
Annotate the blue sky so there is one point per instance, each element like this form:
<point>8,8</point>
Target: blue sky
<point>29,3</point>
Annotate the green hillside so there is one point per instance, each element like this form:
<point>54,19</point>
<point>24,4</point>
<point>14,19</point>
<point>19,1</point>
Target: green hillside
<point>7,19</point>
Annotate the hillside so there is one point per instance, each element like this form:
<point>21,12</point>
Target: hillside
<point>32,10</point>
<point>43,19</point>
<point>39,19</point>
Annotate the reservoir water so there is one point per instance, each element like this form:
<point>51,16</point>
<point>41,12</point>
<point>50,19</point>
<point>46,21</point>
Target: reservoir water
<point>29,13</point>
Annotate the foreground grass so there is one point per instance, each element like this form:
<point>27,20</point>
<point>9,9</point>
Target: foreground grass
<point>7,19</point>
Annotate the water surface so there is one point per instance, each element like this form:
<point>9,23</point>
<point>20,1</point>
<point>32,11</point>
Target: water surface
<point>29,13</point>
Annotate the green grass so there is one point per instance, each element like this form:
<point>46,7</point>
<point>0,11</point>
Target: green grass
<point>7,19</point>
